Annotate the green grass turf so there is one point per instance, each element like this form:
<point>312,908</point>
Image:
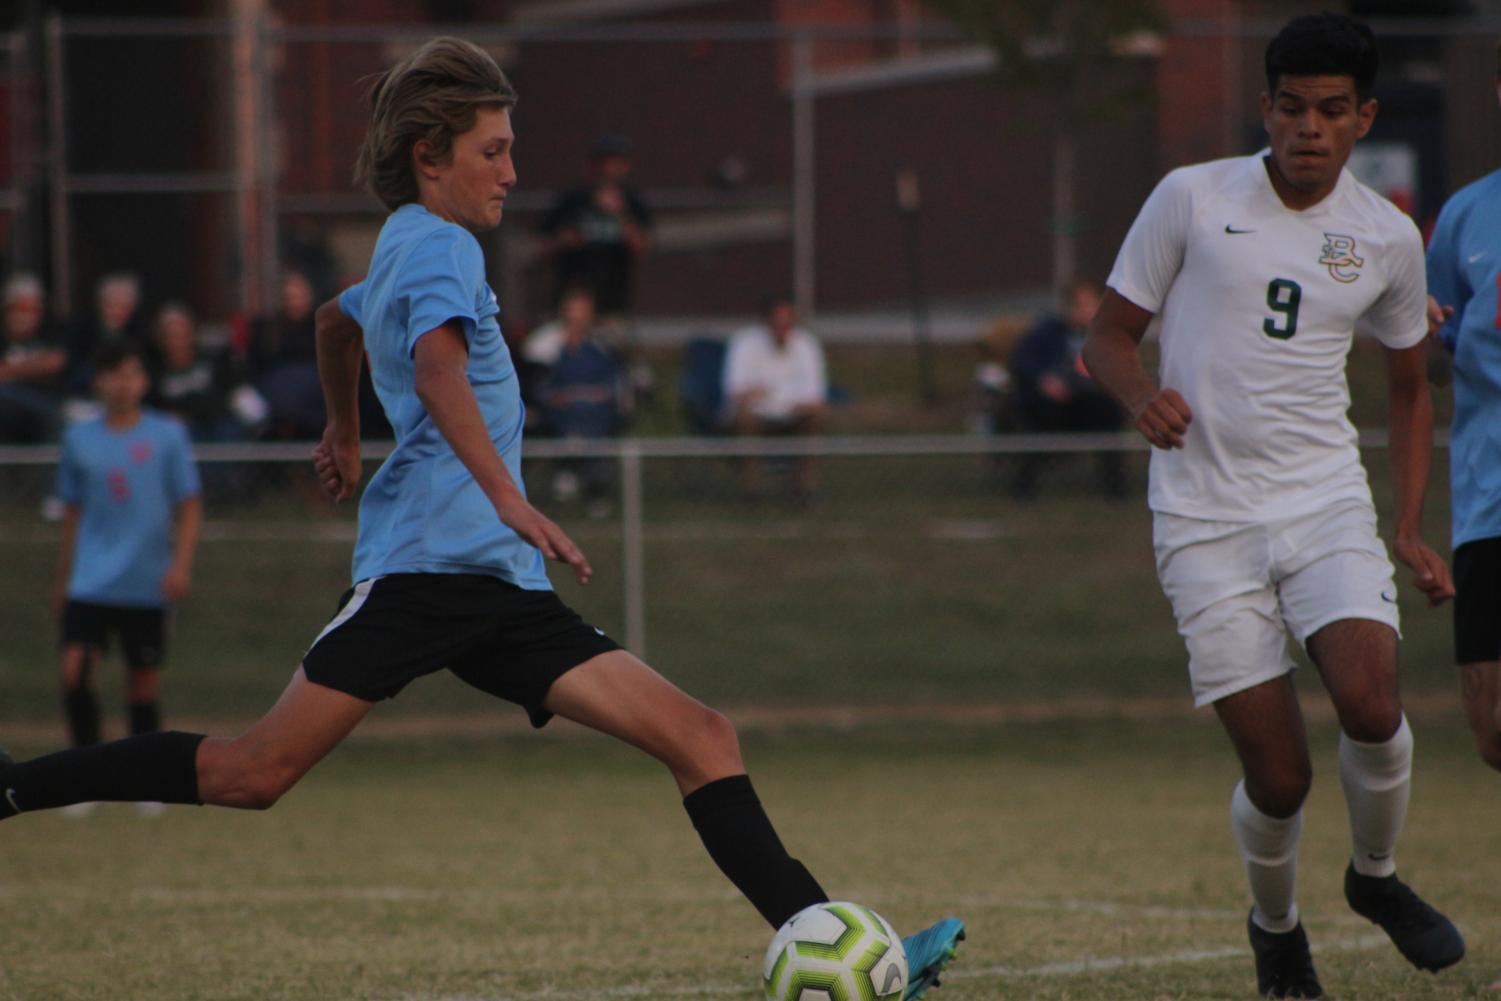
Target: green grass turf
<point>1090,858</point>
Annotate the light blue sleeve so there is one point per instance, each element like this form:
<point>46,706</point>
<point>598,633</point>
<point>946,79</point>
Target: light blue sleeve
<point>440,282</point>
<point>69,473</point>
<point>182,471</point>
<point>1446,279</point>
<point>352,302</point>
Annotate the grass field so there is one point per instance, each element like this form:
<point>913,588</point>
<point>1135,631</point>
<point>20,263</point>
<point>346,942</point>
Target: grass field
<point>953,703</point>
<point>1091,858</point>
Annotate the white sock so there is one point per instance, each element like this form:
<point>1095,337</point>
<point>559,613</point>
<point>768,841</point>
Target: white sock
<point>1269,846</point>
<point>1377,779</point>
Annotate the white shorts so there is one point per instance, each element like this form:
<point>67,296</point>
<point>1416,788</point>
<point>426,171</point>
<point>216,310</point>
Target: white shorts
<point>1239,589</point>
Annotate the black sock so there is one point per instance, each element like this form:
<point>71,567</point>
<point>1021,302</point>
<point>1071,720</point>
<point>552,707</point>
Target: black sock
<point>145,717</point>
<point>160,767</point>
<point>735,829</point>
<point>81,707</point>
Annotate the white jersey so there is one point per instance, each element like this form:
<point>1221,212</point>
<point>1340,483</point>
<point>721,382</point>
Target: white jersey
<point>1258,305</point>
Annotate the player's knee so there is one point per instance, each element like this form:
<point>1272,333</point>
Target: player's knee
<point>263,789</point>
<point>1489,746</point>
<point>1372,719</point>
<point>1282,792</point>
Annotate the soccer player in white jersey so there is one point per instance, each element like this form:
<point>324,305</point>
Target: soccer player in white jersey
<point>449,562</point>
<point>1259,269</point>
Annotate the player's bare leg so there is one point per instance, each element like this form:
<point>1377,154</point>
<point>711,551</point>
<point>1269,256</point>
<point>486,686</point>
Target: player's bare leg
<point>252,771</point>
<point>617,694</point>
<point>1357,659</point>
<point>1480,693</point>
<point>1265,725</point>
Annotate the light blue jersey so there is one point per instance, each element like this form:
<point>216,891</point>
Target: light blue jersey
<point>127,484</point>
<point>422,511</point>
<point>1464,271</point>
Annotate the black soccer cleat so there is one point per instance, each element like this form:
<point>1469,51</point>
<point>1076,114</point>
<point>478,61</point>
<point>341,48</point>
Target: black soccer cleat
<point>1284,966</point>
<point>1427,938</point>
<point>8,806</point>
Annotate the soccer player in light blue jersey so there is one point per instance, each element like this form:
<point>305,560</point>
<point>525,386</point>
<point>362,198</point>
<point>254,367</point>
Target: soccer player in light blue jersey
<point>1464,278</point>
<point>449,564</point>
<point>132,511</point>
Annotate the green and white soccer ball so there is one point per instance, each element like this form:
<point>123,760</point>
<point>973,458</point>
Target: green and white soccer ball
<point>835,951</point>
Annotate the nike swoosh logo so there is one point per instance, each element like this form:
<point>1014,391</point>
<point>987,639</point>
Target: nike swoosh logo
<point>1475,257</point>
<point>1378,858</point>
<point>1231,229</point>
<point>1389,597</point>
<point>10,797</point>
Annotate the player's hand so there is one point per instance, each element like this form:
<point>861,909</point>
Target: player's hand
<point>1163,419</point>
<point>1054,387</point>
<point>337,463</point>
<point>1431,572</point>
<point>542,532</point>
<point>1437,315</point>
<point>176,582</point>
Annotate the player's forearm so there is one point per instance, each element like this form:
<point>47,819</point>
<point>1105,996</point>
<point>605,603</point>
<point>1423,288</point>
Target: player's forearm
<point>67,540</point>
<point>189,527</point>
<point>1114,361</point>
<point>1411,448</point>
<point>341,349</point>
<point>455,412</point>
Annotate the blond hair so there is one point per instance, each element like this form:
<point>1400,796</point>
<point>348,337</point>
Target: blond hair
<point>433,94</point>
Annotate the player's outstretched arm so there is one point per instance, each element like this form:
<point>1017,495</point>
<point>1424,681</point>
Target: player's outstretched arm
<point>341,352</point>
<point>444,390</point>
<point>1112,355</point>
<point>1411,453</point>
<point>1440,357</point>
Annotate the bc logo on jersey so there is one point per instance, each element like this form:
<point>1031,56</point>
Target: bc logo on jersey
<point>1339,255</point>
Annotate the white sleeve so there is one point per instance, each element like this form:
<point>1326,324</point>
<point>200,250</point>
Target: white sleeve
<point>1399,316</point>
<point>738,368</point>
<point>813,383</point>
<point>1152,253</point>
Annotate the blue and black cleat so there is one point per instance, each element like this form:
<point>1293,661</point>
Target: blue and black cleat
<point>928,952</point>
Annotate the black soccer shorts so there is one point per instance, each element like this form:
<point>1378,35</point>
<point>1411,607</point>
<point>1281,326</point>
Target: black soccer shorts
<point>142,631</point>
<point>502,639</point>
<point>1477,601</point>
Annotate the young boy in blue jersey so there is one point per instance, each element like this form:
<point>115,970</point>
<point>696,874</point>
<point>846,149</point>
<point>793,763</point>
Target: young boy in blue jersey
<point>130,526</point>
<point>1464,279</point>
<point>449,563</point>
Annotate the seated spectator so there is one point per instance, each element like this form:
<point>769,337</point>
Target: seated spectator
<point>283,359</point>
<point>775,384</point>
<point>206,394</point>
<point>117,318</point>
<point>1054,392</point>
<point>31,366</point>
<point>582,392</point>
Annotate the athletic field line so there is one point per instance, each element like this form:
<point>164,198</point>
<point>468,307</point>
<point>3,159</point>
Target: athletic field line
<point>1089,964</point>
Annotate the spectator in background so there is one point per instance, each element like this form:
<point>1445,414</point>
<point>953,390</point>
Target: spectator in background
<point>117,318</point>
<point>1054,392</point>
<point>597,231</point>
<point>283,360</point>
<point>206,393</point>
<point>581,395</point>
<point>775,384</point>
<point>31,366</point>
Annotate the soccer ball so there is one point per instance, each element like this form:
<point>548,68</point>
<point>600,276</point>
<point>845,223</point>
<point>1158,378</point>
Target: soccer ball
<point>835,951</point>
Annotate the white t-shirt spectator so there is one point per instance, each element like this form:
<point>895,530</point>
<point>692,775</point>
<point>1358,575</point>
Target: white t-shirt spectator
<point>789,377</point>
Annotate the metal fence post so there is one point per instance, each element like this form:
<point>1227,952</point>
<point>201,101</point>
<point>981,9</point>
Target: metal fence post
<point>632,534</point>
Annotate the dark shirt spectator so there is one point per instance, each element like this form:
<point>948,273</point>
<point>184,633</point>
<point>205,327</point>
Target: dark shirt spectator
<point>1054,391</point>
<point>207,393</point>
<point>580,393</point>
<point>31,365</point>
<point>283,359</point>
<point>598,230</point>
<point>117,318</point>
